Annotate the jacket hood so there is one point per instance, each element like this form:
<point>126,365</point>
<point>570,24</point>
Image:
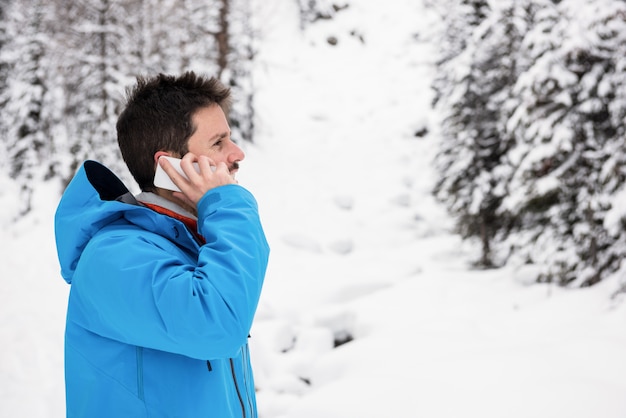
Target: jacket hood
<point>94,198</point>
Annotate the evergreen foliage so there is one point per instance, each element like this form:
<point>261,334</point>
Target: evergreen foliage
<point>237,68</point>
<point>532,156</point>
<point>531,94</point>
<point>27,100</point>
<point>476,91</point>
<point>65,66</point>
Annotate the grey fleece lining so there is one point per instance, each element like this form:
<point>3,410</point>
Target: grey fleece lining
<point>155,199</point>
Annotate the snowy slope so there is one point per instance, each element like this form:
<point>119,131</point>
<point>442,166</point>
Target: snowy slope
<point>359,247</point>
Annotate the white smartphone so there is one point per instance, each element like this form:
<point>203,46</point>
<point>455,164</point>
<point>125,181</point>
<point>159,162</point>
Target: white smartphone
<point>162,180</point>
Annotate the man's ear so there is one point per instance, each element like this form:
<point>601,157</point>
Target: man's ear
<point>159,154</point>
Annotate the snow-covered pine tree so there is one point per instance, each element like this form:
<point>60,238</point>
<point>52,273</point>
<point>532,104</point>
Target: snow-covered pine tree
<point>458,19</point>
<point>479,81</point>
<point>27,98</point>
<point>211,37</point>
<point>612,175</point>
<point>237,67</point>
<point>568,160</point>
<point>91,42</point>
<point>66,65</point>
<point>187,30</point>
<point>4,39</point>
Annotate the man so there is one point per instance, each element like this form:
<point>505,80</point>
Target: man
<point>164,285</point>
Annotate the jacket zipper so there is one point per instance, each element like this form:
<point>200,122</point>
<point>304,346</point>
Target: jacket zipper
<point>246,378</point>
<point>243,406</point>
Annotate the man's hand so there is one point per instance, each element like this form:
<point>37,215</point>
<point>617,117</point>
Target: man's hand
<point>210,176</point>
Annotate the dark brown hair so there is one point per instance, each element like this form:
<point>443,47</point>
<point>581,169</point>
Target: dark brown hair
<point>158,117</point>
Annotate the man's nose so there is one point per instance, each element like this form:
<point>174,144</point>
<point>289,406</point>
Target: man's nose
<point>236,153</point>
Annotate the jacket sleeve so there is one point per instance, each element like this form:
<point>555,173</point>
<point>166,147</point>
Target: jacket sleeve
<point>140,288</point>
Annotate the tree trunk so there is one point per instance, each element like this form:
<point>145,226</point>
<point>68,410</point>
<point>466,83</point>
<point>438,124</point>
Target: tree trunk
<point>222,38</point>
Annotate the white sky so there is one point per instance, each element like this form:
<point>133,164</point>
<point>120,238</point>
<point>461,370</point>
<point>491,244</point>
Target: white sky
<point>358,247</point>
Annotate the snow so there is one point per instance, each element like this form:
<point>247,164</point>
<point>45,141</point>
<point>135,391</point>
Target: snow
<point>613,218</point>
<point>360,252</point>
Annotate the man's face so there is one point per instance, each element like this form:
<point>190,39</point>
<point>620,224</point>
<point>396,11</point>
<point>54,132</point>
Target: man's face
<point>212,138</point>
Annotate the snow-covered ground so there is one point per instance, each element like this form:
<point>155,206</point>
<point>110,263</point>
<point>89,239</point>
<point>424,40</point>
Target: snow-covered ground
<point>360,252</point>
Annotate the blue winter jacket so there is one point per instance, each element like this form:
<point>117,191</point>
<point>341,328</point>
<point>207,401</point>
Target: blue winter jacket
<point>157,324</point>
